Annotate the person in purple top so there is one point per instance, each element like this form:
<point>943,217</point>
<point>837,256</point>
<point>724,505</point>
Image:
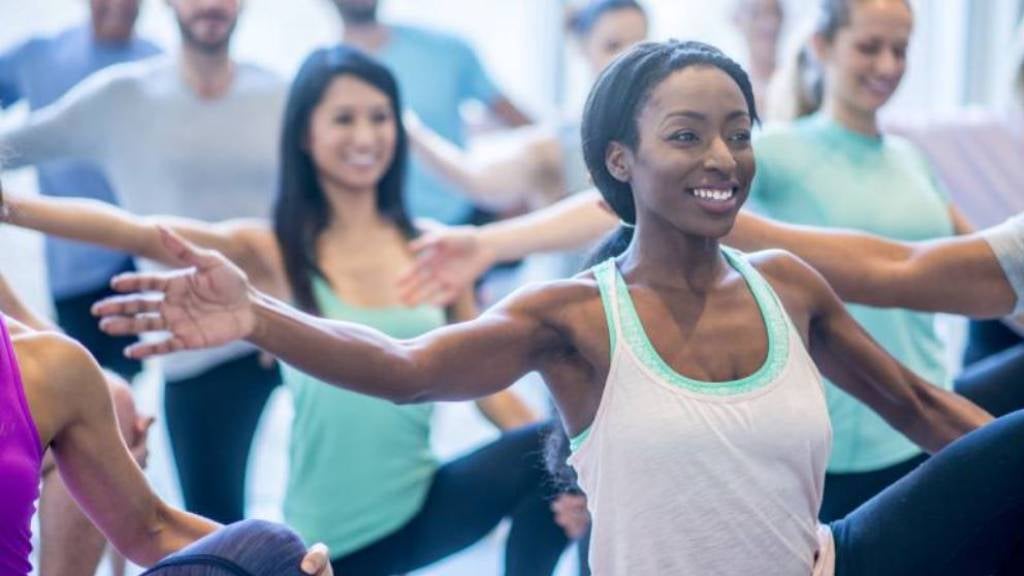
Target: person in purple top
<point>38,72</point>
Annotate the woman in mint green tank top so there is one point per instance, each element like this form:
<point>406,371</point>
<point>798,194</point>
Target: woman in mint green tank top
<point>363,479</point>
<point>835,168</point>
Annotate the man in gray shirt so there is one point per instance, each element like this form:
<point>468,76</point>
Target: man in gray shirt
<point>192,135</point>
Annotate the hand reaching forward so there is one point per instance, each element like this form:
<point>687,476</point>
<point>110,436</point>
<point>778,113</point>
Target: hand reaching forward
<point>448,262</point>
<point>202,306</point>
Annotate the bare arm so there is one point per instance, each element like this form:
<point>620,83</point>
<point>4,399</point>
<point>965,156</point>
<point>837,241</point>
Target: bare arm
<point>504,409</point>
<point>846,354</point>
<point>107,225</point>
<point>957,275</point>
<point>450,260</point>
<point>69,397</point>
<point>213,303</point>
<point>498,182</point>
<point>94,461</point>
<point>509,113</point>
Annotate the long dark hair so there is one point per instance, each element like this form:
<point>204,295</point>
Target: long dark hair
<point>302,212</point>
<point>614,105</point>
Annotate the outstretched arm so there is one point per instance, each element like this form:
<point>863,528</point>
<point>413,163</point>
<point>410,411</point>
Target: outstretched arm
<point>213,303</point>
<point>930,416</point>
<point>958,275</point>
<point>449,260</point>
<point>97,222</point>
<point>499,182</point>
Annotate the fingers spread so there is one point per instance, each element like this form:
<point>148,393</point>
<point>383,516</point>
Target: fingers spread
<point>124,325</point>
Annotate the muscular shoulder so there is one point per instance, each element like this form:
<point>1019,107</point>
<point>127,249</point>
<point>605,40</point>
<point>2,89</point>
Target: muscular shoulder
<point>62,380</point>
<point>549,299</point>
<point>794,280</point>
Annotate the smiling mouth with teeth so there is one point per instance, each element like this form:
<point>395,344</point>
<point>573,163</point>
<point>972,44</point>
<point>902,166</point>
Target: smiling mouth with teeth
<point>715,195</point>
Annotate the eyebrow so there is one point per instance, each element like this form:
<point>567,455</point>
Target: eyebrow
<point>703,117</point>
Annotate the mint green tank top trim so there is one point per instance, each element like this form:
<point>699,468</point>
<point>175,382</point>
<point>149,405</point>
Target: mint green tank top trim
<point>775,323</point>
<point>360,467</point>
<point>816,172</point>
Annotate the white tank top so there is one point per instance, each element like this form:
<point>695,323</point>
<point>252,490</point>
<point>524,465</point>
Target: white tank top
<point>698,478</point>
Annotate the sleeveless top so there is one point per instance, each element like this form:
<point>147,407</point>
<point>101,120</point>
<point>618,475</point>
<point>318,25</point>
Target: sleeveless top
<point>360,467</point>
<point>690,477</point>
<point>21,457</point>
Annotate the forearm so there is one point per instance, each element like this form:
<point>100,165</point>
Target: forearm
<point>955,275</point>
<point>343,354</point>
<point>461,361</point>
<point>571,223</point>
<point>169,531</point>
<point>496,185</point>
<point>88,221</point>
<point>943,417</point>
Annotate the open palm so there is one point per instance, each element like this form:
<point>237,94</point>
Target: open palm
<point>203,306</point>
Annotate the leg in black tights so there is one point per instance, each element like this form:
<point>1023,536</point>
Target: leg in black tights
<point>960,513</point>
<point>845,492</point>
<point>247,548</point>
<point>468,498</point>
<point>995,383</point>
<point>211,419</point>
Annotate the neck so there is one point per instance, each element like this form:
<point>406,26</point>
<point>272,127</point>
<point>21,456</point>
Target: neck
<point>661,257</point>
<point>858,121</point>
<point>208,74</point>
<point>368,36</point>
<point>105,41</point>
<point>353,212</point>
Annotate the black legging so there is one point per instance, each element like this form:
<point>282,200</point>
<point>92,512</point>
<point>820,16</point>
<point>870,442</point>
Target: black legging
<point>961,513</point>
<point>995,383</point>
<point>467,499</point>
<point>211,420</point>
<point>986,338</point>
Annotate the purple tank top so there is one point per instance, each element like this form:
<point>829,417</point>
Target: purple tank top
<point>21,457</point>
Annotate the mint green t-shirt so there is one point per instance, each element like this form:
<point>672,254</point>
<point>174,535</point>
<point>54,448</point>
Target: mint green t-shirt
<point>360,467</point>
<point>816,172</point>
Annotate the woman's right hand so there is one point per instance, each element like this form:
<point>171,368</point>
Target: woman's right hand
<point>203,306</point>
<point>448,262</point>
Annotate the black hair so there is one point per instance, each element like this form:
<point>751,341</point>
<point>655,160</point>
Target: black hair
<point>614,106</point>
<point>302,212</point>
<point>583,19</point>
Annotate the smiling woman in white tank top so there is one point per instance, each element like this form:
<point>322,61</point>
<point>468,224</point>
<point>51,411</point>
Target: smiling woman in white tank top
<point>718,472</point>
<point>721,457</point>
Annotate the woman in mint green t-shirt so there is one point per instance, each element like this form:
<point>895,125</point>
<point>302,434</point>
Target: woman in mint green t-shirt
<point>835,168</point>
<point>362,478</point>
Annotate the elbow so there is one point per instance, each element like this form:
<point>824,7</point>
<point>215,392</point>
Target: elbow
<point>413,383</point>
<point>145,546</point>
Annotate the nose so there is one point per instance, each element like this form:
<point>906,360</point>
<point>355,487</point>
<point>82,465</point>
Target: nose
<point>889,63</point>
<point>719,157</point>
<point>364,134</point>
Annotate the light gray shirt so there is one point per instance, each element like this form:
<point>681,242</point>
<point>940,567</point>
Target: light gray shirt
<point>166,151</point>
<point>1007,241</point>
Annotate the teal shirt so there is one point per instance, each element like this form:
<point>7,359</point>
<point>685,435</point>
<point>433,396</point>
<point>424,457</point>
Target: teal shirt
<point>360,467</point>
<point>437,73</point>
<point>818,173</point>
